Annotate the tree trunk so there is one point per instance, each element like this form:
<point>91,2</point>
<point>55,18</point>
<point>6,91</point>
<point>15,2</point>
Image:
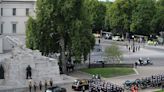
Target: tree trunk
<point>62,44</point>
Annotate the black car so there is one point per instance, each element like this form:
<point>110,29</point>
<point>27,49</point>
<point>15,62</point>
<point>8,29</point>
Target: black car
<point>55,89</point>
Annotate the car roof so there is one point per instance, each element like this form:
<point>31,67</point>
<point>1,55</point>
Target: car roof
<point>54,87</point>
<point>82,79</point>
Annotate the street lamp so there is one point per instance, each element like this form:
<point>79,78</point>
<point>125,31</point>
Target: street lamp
<point>133,44</point>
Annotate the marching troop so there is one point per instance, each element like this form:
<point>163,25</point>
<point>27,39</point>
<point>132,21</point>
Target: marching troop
<point>98,85</point>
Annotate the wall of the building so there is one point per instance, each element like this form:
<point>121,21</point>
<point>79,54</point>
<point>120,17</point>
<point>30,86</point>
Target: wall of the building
<point>20,19</point>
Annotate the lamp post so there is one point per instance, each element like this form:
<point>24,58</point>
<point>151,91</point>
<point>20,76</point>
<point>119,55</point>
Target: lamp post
<point>89,59</point>
<point>133,44</point>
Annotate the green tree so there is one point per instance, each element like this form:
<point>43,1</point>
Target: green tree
<point>142,16</point>
<point>82,38</point>
<point>107,16</point>
<point>113,53</point>
<point>31,34</point>
<point>99,17</point>
<point>64,26</point>
<point>120,16</point>
<point>157,23</point>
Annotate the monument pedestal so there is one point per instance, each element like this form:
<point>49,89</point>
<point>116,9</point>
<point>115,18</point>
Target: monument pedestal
<point>43,68</point>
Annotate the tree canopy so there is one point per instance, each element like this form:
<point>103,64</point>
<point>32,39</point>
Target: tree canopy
<point>142,16</point>
<point>157,23</point>
<point>62,26</point>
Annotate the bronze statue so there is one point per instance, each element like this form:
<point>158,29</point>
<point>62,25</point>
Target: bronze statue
<point>2,72</point>
<point>28,72</point>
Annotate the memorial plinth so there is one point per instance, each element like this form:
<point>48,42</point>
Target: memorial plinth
<point>43,68</point>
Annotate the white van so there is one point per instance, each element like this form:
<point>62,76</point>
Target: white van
<point>117,38</point>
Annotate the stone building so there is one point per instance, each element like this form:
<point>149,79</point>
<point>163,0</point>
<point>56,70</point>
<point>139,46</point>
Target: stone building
<point>14,15</point>
<point>13,18</point>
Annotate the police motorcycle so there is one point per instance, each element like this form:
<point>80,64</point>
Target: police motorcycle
<point>142,62</point>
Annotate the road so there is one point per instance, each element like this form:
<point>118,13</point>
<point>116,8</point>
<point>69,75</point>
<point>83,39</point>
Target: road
<point>155,54</point>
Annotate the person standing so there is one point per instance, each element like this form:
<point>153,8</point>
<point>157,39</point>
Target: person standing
<point>35,86</point>
<point>40,85</point>
<point>136,64</point>
<point>51,82</point>
<point>129,48</point>
<point>99,41</point>
<point>132,88</point>
<point>45,84</point>
<point>83,88</point>
<point>30,86</point>
<point>136,88</point>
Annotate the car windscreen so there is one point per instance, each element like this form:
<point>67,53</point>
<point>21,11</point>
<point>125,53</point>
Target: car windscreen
<point>76,82</point>
<point>48,90</point>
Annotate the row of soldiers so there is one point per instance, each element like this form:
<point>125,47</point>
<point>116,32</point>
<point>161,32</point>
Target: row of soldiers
<point>97,85</point>
<point>40,86</point>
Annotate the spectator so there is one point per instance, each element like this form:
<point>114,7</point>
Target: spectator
<point>132,88</point>
<point>136,88</point>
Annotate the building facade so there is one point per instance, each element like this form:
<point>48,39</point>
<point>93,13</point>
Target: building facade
<point>14,15</point>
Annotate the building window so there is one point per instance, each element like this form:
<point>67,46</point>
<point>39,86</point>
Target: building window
<point>14,27</point>
<point>1,32</point>
<point>1,11</point>
<point>14,11</point>
<point>27,11</point>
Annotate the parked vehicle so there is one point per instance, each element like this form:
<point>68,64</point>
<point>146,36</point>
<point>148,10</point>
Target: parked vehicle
<point>117,38</point>
<point>79,84</point>
<point>152,42</point>
<point>55,89</point>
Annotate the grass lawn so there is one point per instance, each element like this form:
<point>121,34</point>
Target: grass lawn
<point>109,72</point>
<point>160,91</point>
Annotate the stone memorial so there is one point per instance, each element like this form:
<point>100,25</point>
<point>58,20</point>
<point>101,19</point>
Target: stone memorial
<point>42,68</point>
